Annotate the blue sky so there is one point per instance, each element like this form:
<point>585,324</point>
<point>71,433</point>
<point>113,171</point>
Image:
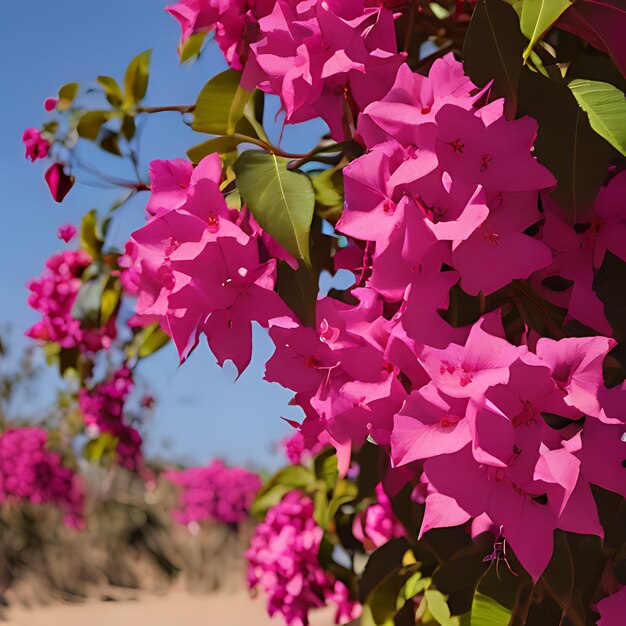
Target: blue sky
<point>201,411</point>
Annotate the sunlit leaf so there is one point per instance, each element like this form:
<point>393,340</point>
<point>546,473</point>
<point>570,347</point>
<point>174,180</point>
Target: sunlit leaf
<point>67,93</point>
<point>220,104</point>
<point>487,612</point>
<point>112,90</point>
<point>136,79</point>
<point>606,107</point>
<point>90,124</point>
<point>281,201</point>
<point>192,47</point>
<point>89,234</point>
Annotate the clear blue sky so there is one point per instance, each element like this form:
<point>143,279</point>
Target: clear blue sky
<point>201,412</point>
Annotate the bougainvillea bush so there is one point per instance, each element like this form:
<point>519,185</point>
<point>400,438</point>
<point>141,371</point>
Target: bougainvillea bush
<point>460,457</point>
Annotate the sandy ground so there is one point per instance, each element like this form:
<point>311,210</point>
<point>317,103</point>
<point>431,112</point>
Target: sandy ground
<point>173,609</point>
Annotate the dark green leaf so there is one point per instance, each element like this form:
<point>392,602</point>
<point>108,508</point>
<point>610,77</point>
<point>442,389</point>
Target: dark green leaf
<point>128,127</point>
<point>86,307</point>
<point>220,104</point>
<point>606,107</point>
<point>281,201</point>
<point>493,50</point>
<point>109,142</point>
<point>112,90</point>
<point>567,145</point>
<point>136,79</point>
<point>384,561</point>
<point>67,93</point>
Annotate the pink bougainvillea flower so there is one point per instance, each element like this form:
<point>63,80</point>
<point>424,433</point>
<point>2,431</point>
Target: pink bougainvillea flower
<point>468,371</point>
<point>611,608</point>
<point>511,502</point>
<point>50,104</point>
<point>498,251</point>
<point>429,424</point>
<point>37,147</point>
<point>66,232</point>
<point>31,472</point>
<point>322,58</point>
<point>283,562</point>
<point>414,100</point>
<point>377,525</point>
<point>576,367</point>
<point>214,492</point>
<point>496,156</point>
<point>58,181</point>
<point>602,455</point>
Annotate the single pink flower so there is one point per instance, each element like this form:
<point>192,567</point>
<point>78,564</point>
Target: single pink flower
<point>66,232</point>
<point>58,181</point>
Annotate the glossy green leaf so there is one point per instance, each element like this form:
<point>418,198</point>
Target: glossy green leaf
<point>90,124</point>
<point>192,47</point>
<point>136,79</point>
<point>281,201</point>
<point>493,50</point>
<point>89,234</point>
<point>112,90</point>
<point>488,612</point>
<point>67,93</point>
<point>220,104</point>
<point>537,17</point>
<point>606,107</point>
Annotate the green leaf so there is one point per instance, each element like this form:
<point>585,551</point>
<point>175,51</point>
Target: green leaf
<point>112,90</point>
<point>537,17</point>
<point>136,79</point>
<point>606,107</point>
<point>220,104</point>
<point>86,307</point>
<point>493,50</point>
<point>89,234</point>
<point>147,341</point>
<point>110,301</point>
<point>90,124</point>
<point>67,93</point>
<point>285,480</point>
<point>101,447</point>
<point>414,585</point>
<point>109,142</point>
<point>438,608</point>
<point>575,154</point>
<point>221,145</point>
<point>487,612</point>
<point>128,127</point>
<point>192,47</point>
<point>281,201</point>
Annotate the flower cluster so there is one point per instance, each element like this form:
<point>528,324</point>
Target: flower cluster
<point>29,472</point>
<point>507,426</point>
<point>319,57</point>
<point>198,265</point>
<point>103,412</point>
<point>53,295</point>
<point>376,525</point>
<point>215,492</point>
<point>37,147</point>
<point>283,562</point>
